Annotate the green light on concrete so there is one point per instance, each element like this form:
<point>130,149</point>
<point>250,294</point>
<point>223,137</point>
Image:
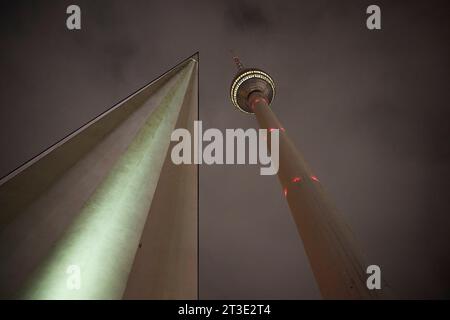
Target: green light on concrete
<point>103,239</point>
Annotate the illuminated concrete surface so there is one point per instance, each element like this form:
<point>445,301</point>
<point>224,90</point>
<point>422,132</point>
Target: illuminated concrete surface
<point>167,269</point>
<point>336,261</point>
<point>85,201</point>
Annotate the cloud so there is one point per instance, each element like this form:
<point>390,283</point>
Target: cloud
<point>247,16</point>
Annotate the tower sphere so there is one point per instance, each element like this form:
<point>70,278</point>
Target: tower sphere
<point>248,81</point>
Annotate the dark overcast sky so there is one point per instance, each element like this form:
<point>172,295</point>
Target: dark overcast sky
<point>368,109</point>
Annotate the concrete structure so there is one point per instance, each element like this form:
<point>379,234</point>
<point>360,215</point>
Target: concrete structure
<point>336,262</point>
<point>98,215</point>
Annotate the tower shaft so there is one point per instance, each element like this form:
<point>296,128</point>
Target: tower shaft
<point>335,260</point>
<point>96,216</point>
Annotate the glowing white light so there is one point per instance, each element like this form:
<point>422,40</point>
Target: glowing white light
<point>246,76</point>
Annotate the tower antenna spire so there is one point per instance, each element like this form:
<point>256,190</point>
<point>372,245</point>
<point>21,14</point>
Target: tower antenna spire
<point>237,61</point>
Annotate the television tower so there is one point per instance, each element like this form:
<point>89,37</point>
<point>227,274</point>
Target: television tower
<point>329,244</point>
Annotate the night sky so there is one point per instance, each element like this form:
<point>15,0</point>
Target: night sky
<point>368,109</point>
